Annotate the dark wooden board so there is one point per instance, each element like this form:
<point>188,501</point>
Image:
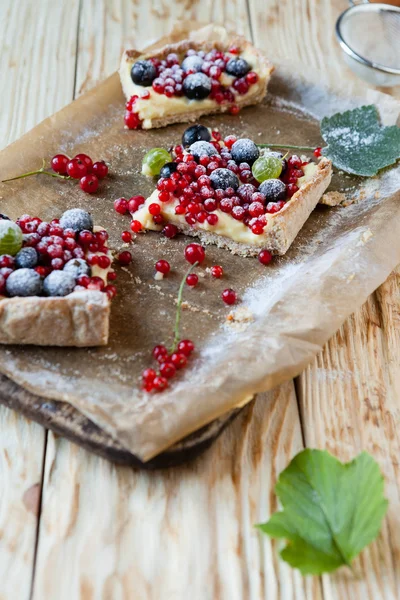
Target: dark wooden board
<point>65,420</point>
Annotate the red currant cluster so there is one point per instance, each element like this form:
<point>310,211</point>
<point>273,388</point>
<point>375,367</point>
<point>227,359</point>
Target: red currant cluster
<point>81,167</point>
<point>169,365</point>
<point>55,246</point>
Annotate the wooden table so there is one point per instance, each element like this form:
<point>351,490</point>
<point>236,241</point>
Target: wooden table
<point>73,526</point>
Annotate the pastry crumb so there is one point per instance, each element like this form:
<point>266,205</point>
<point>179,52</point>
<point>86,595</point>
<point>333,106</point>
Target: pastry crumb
<point>332,198</point>
<point>239,319</point>
<point>350,277</point>
<point>365,236</point>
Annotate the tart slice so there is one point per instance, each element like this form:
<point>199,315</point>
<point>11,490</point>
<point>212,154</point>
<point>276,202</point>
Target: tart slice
<point>54,281</point>
<point>210,72</point>
<point>232,194</point>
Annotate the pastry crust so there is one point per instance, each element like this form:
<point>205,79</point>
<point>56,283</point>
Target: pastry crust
<point>79,319</point>
<point>207,38</point>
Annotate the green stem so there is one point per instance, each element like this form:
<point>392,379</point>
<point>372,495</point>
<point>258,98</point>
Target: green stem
<point>285,146</point>
<point>37,172</point>
<point>179,309</point>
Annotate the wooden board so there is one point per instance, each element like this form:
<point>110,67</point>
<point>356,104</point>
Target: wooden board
<point>196,536</point>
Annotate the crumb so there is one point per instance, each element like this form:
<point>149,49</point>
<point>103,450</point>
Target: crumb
<point>365,236</point>
<point>350,277</point>
<point>377,195</point>
<point>158,276</point>
<point>332,198</point>
<point>240,319</point>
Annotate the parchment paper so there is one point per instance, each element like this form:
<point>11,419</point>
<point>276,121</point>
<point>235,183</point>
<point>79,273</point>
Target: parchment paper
<point>287,311</point>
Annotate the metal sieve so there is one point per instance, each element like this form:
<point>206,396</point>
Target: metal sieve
<point>369,35</point>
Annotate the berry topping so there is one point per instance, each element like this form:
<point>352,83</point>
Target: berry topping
<point>268,166</point>
<point>10,238</point>
<point>194,253</point>
<point>163,266</point>
<point>59,163</point>
<point>317,152</point>
<point>273,190</point>
<point>26,258</point>
<point>76,219</point>
<point>229,296</point>
<point>185,347</point>
<point>265,257</point>
<point>154,160</point>
<point>238,67</point>
<point>24,282</point>
<point>197,86</point>
<point>134,203</point>
<point>77,267</point>
<point>222,179</point>
<point>170,230</point>
<point>245,151</point>
<point>202,148</point>
<point>195,133</point>
<point>58,283</point>
<point>167,170</point>
<point>143,72</point>
<point>192,63</point>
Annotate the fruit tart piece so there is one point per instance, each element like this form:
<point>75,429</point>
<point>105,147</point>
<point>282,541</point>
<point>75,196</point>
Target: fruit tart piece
<point>54,277</point>
<point>210,72</point>
<point>232,194</point>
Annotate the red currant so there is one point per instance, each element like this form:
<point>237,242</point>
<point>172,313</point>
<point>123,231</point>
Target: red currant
<point>83,280</point>
<point>194,253</point>
<point>132,120</point>
<point>59,163</point>
<point>111,291</point>
<point>229,296</point>
<point>89,184</point>
<point>100,169</point>
<point>234,110</point>
<point>179,360</point>
<point>124,257</point>
<point>217,271</point>
<point>154,209</point>
<point>192,279</point>
<point>265,257</point>
<point>121,206</point>
<point>136,226</point>
<point>126,236</point>
<point>318,152</point>
<point>186,347</point>
<point>257,228</point>
<point>103,261</point>
<point>170,230</point>
<point>160,383</point>
<point>160,351</point>
<point>167,369</point>
<point>149,375</point>
<point>163,266</point>
<point>86,161</point>
<point>76,168</point>
<point>96,283</point>
<point>135,202</point>
<point>57,263</point>
<point>85,237</point>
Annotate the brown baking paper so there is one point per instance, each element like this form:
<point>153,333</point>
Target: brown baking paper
<point>287,311</point>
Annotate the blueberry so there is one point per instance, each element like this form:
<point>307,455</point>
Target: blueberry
<point>195,133</point>
<point>26,258</point>
<point>24,282</point>
<point>199,149</point>
<point>273,190</point>
<point>245,150</point>
<point>237,67</point>
<point>77,267</point>
<point>143,72</point>
<point>192,63</point>
<point>224,178</point>
<point>197,86</point>
<point>167,170</point>
<point>76,219</point>
<point>58,283</point>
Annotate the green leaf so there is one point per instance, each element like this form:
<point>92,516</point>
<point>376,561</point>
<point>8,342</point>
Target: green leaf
<point>331,510</point>
<point>358,143</point>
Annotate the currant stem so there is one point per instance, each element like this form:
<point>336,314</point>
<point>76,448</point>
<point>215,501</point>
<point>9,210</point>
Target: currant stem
<point>37,172</point>
<point>179,307</point>
<point>285,146</point>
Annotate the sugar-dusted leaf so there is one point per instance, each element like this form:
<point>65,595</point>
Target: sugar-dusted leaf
<point>358,143</point>
<point>331,510</point>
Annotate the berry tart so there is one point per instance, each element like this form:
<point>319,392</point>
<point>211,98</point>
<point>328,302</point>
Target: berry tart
<point>54,281</point>
<point>211,72</point>
<point>232,193</point>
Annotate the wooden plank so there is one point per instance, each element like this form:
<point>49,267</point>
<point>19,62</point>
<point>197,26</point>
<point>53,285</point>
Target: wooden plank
<point>349,403</point>
<point>111,532</point>
<point>107,28</point>
<point>37,76</point>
